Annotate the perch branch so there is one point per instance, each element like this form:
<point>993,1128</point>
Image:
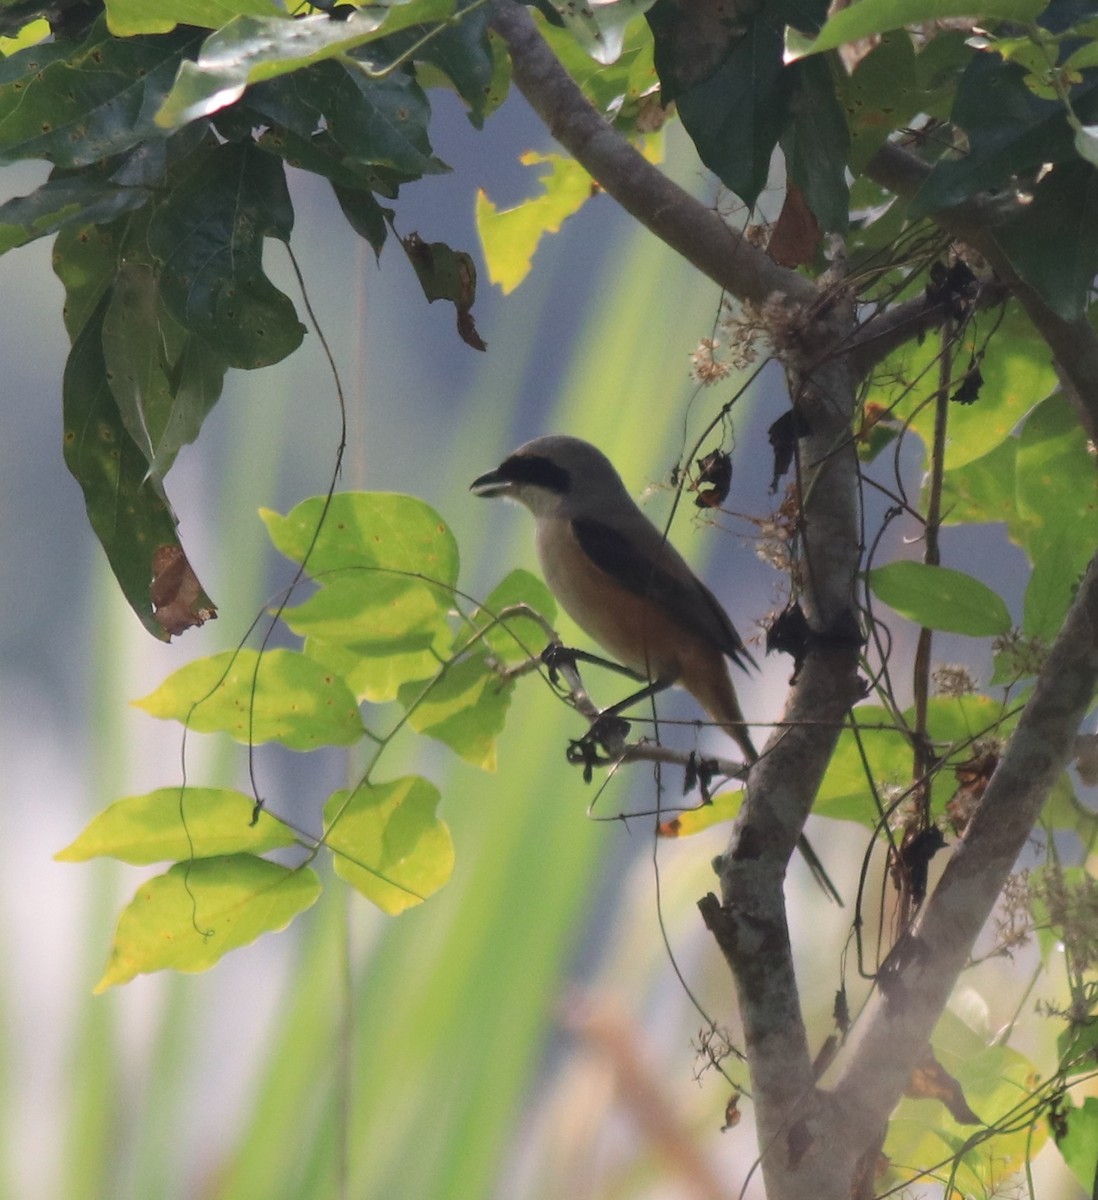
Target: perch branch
<point>672,214</point>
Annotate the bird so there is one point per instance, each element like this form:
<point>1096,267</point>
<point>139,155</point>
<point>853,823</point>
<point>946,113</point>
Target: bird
<point>626,586</point>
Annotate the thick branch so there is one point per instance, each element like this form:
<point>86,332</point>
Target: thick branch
<point>671,213</point>
<point>751,925</point>
<point>927,965</point>
<point>1073,343</point>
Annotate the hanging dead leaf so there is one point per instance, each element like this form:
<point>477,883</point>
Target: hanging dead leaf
<point>714,479</point>
<point>973,776</point>
<point>447,274</point>
<point>177,597</point>
<point>931,1081</point>
<point>796,233</point>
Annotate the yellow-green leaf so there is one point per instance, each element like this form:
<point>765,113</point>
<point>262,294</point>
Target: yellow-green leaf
<point>198,911</point>
<point>723,807</point>
<point>367,530</point>
<point>516,637</point>
<point>388,843</point>
<point>177,823</point>
<point>293,700</point>
<point>510,237</point>
<point>466,708</point>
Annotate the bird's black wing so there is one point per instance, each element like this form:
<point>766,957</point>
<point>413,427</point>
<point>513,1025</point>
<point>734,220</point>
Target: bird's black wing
<point>677,591</point>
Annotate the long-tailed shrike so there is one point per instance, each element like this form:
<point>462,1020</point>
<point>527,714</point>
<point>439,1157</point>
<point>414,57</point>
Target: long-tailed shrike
<point>624,584</point>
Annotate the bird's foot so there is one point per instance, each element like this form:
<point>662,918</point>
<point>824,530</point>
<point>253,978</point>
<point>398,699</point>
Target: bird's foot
<point>600,746</point>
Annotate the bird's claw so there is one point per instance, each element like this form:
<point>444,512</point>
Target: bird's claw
<point>607,733</point>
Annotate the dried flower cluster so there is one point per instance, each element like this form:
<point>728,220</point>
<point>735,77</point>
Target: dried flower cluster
<point>1073,910</point>
<point>953,679</point>
<point>1018,656</point>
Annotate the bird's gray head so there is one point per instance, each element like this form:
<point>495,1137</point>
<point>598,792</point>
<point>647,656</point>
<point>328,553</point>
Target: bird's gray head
<point>553,474</point>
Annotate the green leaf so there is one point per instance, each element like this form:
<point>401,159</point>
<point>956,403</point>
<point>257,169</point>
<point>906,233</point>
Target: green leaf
<point>177,823</point>
<point>1055,476</point>
<point>845,793</point>
<point>128,17</point>
<point>465,707</point>
<point>376,675</point>
<point>618,90</point>
<point>510,237</point>
<point>127,509</point>
<point>992,1078</point>
<point>96,103</point>
<point>736,115</point>
<point>517,637</point>
<point>1009,130</point>
<point>188,918</point>
<point>940,598</point>
<point>374,611</point>
<point>364,215</point>
<point>1080,1146</point>
<point>251,49</point>
<point>600,28</point>
<point>368,529</point>
<point>1017,372</point>
<point>879,96</point>
<point>85,259</point>
<point>868,18</point>
<point>208,237</point>
<point>292,700</point>
<point>816,146</point>
<point>65,200</point>
<point>1053,242</point>
<point>982,490</point>
<point>388,843</point>
<point>461,53</point>
<point>1057,569</point>
<point>355,130</point>
<point>1064,811</point>
<point>162,407</point>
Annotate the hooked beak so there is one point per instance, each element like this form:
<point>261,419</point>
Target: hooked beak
<point>490,484</point>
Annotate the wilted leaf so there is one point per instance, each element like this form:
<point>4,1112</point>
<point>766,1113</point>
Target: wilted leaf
<point>177,597</point>
<point>388,843</point>
<point>127,509</point>
<point>796,234</point>
<point>188,918</point>
<point>178,823</point>
<point>446,274</point>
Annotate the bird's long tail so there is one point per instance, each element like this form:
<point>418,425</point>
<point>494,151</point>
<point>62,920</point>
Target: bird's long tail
<point>724,707</point>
